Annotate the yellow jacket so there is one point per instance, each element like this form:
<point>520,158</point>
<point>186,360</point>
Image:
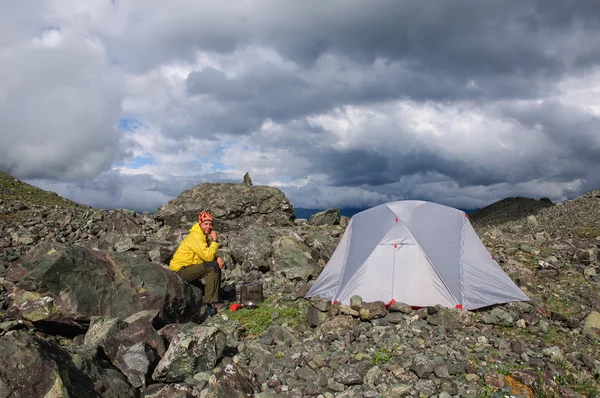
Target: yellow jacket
<point>193,250</point>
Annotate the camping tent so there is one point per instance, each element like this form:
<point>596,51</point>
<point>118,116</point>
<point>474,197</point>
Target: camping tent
<point>418,253</point>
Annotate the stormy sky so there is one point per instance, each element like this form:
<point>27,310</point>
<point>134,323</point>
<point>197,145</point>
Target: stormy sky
<point>126,103</point>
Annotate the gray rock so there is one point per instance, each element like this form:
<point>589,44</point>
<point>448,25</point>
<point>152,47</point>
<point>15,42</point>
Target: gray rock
<point>306,374</point>
<point>553,352</point>
<point>451,318</point>
<point>41,368</point>
<point>339,323</point>
<point>135,362</point>
<point>426,388</point>
<point>259,353</point>
<point>334,385</point>
<point>293,259</point>
<point>400,307</point>
<point>531,220</point>
<point>347,310</point>
<point>374,310</point>
<point>344,221</point>
<point>22,239</point>
<point>356,302</point>
<point>231,382</point>
<point>348,375</point>
<point>326,217</point>
<point>497,316</point>
<point>592,322</point>
<point>102,331</point>
<point>194,349</point>
<point>115,285</point>
<point>422,366</point>
<point>124,244</point>
<point>278,335</point>
<point>395,317</point>
<point>398,390</point>
<point>422,313</point>
<point>321,304</point>
<point>176,390</point>
<point>441,371</point>
<point>378,378</point>
<point>590,272</point>
<point>457,367</point>
<point>518,347</point>
<point>234,206</point>
<point>247,180</point>
<point>253,246</point>
<point>316,317</point>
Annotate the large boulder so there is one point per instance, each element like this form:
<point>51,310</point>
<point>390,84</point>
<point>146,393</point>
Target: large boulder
<point>60,283</point>
<point>325,217</point>
<point>119,221</point>
<point>194,349</point>
<point>252,246</point>
<point>323,239</point>
<point>132,345</point>
<point>231,382</point>
<point>175,390</point>
<point>234,206</point>
<point>293,259</point>
<point>32,367</point>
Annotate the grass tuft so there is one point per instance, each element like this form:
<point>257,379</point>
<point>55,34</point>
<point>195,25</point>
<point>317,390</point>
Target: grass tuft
<point>256,321</point>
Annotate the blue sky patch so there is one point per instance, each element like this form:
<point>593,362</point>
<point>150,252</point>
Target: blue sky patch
<point>137,162</point>
<point>129,124</point>
<point>218,166</point>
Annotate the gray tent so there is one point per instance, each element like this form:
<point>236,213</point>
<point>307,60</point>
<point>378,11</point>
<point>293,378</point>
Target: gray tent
<point>414,252</point>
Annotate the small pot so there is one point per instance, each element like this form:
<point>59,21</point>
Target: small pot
<point>251,294</point>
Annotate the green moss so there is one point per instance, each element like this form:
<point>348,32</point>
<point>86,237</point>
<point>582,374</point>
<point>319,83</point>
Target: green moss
<point>256,321</point>
<point>381,356</point>
<point>589,231</point>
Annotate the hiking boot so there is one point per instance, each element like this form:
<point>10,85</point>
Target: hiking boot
<point>218,307</point>
<point>205,312</point>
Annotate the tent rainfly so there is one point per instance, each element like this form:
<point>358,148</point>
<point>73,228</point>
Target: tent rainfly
<point>415,252</point>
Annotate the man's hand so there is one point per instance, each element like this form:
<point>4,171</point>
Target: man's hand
<point>213,235</point>
<point>220,262</point>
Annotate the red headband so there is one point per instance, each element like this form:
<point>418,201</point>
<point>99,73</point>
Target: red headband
<point>204,216</point>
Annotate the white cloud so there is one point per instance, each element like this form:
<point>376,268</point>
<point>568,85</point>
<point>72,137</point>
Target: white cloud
<point>427,105</point>
<point>59,105</point>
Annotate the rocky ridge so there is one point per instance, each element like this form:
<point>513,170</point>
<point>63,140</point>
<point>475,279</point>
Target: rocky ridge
<point>105,344</point>
<point>509,209</point>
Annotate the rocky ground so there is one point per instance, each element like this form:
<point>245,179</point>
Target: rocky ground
<point>87,307</point>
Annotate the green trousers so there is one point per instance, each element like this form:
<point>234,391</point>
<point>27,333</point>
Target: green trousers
<point>210,272</point>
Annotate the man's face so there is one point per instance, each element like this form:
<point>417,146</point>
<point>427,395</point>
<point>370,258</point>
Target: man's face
<point>206,227</point>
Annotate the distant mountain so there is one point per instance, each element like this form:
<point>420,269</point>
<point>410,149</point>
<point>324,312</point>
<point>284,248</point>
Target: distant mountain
<point>21,194</point>
<point>348,211</point>
<point>509,209</point>
<point>306,213</point>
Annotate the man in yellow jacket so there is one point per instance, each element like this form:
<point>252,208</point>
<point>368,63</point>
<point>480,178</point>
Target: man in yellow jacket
<point>195,259</point>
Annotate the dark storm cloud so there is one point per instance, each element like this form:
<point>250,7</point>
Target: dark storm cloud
<point>575,132</point>
<point>550,141</point>
<point>467,38</point>
<point>337,55</point>
<point>490,69</point>
<point>243,103</point>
